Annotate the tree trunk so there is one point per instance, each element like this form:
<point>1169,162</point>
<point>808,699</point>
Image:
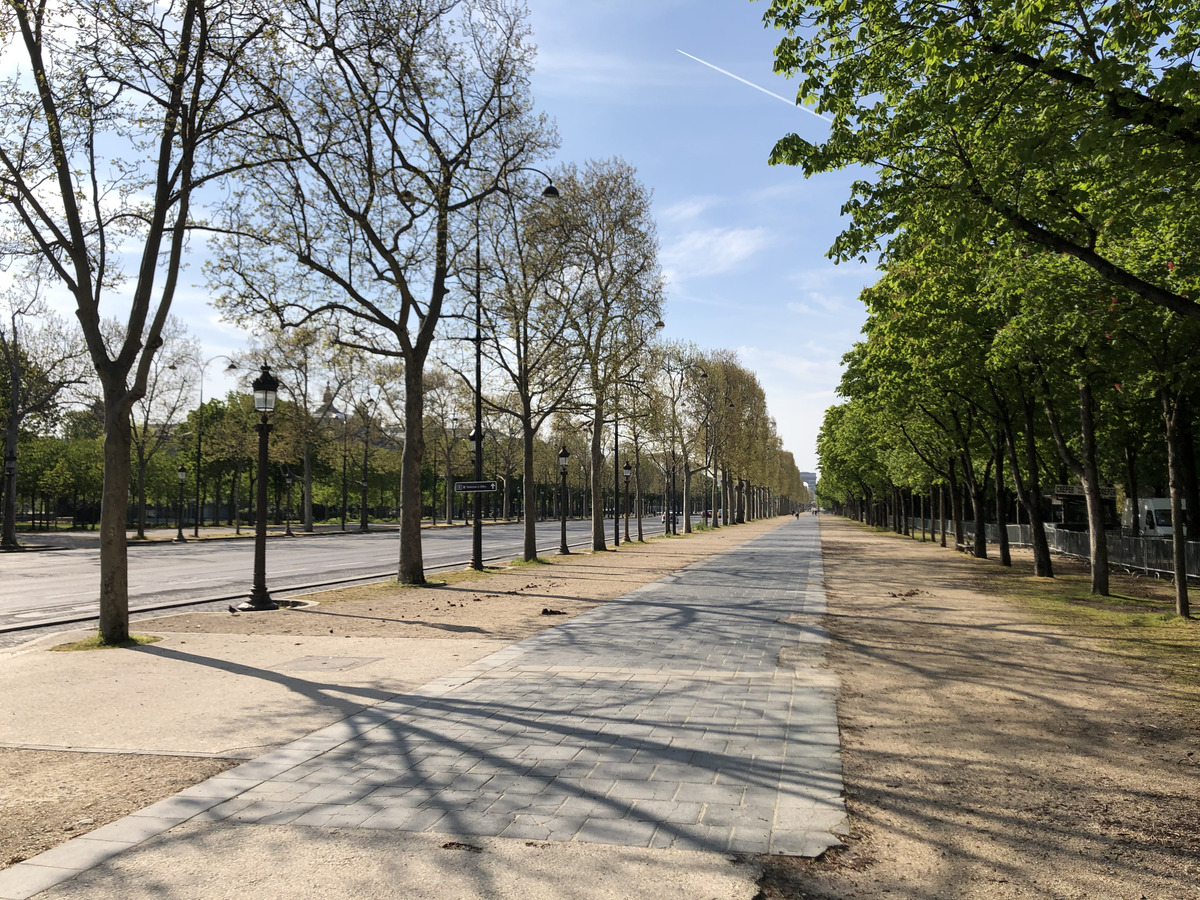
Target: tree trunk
<point>1091,487</point>
<point>449,496</point>
<point>141,492</point>
<point>942,513</point>
<point>114,553</point>
<point>1172,411</point>
<point>1029,491</point>
<point>956,505</point>
<point>1187,467</point>
<point>530,530</point>
<point>1132,487</point>
<point>236,495</point>
<point>979,511</point>
<point>8,530</point>
<point>412,567</point>
<point>306,488</point>
<point>597,482</point>
<point>1001,512</point>
<point>687,497</point>
<point>216,519</point>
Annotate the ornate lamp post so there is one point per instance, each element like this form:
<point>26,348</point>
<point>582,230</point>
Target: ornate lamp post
<point>563,458</point>
<point>265,387</point>
<point>364,513</point>
<point>716,516</point>
<point>475,439</point>
<point>628,470</point>
<point>290,479</point>
<point>8,540</point>
<point>549,195</point>
<point>179,538</point>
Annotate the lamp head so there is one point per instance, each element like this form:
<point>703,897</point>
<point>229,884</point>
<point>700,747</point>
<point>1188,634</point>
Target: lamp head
<point>563,457</point>
<point>266,386</point>
<point>181,473</point>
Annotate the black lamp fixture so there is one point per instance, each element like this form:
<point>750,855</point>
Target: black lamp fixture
<point>266,387</point>
<point>289,479</point>
<point>627,469</point>
<point>181,474</point>
<point>563,458</point>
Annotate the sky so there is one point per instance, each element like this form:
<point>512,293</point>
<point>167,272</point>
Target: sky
<point>742,243</point>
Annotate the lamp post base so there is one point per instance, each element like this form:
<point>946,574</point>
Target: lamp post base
<point>258,602</point>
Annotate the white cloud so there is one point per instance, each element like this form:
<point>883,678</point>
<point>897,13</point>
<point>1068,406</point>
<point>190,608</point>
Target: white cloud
<point>799,388</point>
<point>711,251</point>
<point>687,210</point>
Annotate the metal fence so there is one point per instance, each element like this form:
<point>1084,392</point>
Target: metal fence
<point>1154,556</point>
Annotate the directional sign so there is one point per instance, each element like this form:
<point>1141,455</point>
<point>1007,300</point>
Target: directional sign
<point>474,487</point>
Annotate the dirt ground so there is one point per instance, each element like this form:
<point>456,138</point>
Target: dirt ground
<point>48,796</point>
<point>987,754</point>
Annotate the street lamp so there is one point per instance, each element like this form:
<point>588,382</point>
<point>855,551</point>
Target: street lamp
<point>563,458</point>
<point>8,534</point>
<point>716,512</point>
<point>475,442</point>
<point>179,538</point>
<point>290,479</point>
<point>337,414</point>
<point>265,387</point>
<point>628,470</point>
<point>367,408</point>
<point>549,194</point>
<point>200,429</point>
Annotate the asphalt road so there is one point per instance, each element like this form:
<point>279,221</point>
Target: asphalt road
<point>50,587</point>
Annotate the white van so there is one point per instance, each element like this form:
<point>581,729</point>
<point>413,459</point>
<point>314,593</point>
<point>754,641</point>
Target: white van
<point>1154,517</point>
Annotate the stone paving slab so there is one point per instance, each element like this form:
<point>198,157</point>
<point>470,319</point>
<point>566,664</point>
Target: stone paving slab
<point>661,720</point>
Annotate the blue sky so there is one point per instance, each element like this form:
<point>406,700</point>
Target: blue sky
<point>743,243</point>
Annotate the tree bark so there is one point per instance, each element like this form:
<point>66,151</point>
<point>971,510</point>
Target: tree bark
<point>528,490</point>
<point>1132,488</point>
<point>1001,512</point>
<point>412,566</point>
<point>306,488</point>
<point>1172,410</point>
<point>1187,467</point>
<point>1029,490</point>
<point>114,570</point>
<point>597,481</point>
<point>956,513</point>
<point>1091,487</point>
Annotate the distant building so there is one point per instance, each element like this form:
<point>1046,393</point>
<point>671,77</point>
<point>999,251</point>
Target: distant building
<point>810,478</point>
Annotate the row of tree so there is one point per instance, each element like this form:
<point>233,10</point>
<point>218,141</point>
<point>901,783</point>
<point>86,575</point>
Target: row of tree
<point>360,170</point>
<point>341,445</point>
<point>1031,207</point>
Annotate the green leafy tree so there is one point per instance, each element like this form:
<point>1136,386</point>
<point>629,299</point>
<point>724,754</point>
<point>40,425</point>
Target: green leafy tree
<point>1067,124</point>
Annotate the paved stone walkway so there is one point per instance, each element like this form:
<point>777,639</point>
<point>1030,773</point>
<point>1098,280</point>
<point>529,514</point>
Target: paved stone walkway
<point>663,719</point>
<point>690,714</point>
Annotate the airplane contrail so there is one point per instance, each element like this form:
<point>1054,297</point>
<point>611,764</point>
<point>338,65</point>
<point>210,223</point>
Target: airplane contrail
<point>790,103</point>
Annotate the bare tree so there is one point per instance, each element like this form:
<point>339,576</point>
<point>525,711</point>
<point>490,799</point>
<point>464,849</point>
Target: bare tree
<point>117,113</point>
<point>526,318</point>
<point>604,216</point>
<point>169,386</point>
<point>41,360</point>
<point>388,112</point>
<point>301,359</point>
